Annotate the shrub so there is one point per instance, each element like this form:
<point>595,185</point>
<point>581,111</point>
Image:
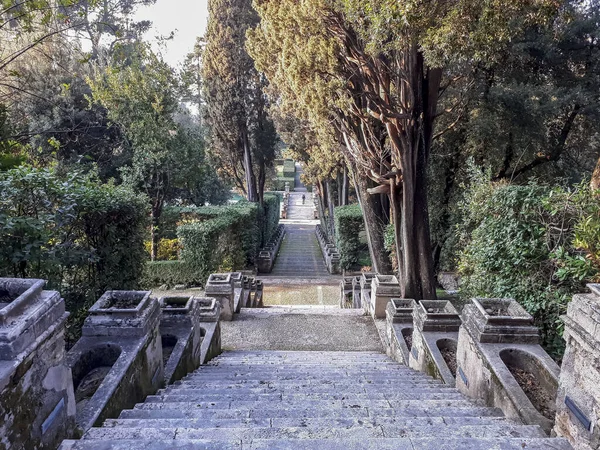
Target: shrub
<point>289,168</point>
<point>270,220</point>
<point>168,249</point>
<point>523,243</point>
<point>82,236</point>
<point>349,224</point>
<point>170,273</point>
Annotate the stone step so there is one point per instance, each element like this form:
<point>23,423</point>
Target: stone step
<point>302,403</point>
<point>296,433</point>
<point>200,410</point>
<point>305,382</point>
<point>201,394</point>
<point>268,388</point>
<point>235,378</point>
<point>320,444</point>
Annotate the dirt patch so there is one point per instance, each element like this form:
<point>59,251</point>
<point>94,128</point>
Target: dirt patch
<point>408,339</point>
<point>540,399</point>
<point>449,356</point>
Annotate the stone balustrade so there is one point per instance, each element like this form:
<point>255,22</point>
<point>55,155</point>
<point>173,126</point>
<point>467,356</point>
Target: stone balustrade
<point>131,345</point>
<point>399,328</point>
<point>329,250</point>
<point>37,402</point>
<point>266,257</point>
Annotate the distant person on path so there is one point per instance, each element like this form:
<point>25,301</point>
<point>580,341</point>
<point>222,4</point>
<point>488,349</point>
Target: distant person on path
<point>303,198</point>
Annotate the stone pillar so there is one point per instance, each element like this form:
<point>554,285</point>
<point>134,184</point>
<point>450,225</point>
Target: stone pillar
<point>37,403</point>
<point>399,328</point>
<point>264,261</point>
<point>578,397</point>
<point>247,287</point>
<point>122,332</point>
<point>345,291</point>
<point>238,290</point>
<point>436,324</point>
<point>497,338</point>
<point>365,290</point>
<point>220,286</point>
<point>185,323</point>
<point>383,289</point>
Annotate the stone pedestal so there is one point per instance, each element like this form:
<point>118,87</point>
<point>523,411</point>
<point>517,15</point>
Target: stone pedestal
<point>37,403</point>
<point>121,333</point>
<point>238,290</point>
<point>220,287</point>
<point>436,324</point>
<point>183,332</point>
<point>578,398</point>
<point>399,328</point>
<point>365,290</point>
<point>383,289</point>
<point>497,337</point>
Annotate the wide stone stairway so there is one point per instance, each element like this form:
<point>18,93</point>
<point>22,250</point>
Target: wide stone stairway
<point>311,400</point>
<point>300,255</point>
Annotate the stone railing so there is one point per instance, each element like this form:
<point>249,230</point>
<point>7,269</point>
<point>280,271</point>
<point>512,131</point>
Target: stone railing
<point>490,351</point>
<point>267,256</point>
<point>132,344</point>
<point>285,205</point>
<point>330,253</point>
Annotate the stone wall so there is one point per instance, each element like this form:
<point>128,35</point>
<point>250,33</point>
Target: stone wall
<point>37,403</point>
<point>578,398</point>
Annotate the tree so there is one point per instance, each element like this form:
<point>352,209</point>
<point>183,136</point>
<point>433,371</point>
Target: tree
<point>367,64</point>
<point>141,99</point>
<point>242,134</point>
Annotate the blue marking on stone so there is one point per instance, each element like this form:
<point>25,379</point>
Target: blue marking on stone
<point>587,423</point>
<point>414,352</point>
<point>53,415</point>
<point>463,376</point>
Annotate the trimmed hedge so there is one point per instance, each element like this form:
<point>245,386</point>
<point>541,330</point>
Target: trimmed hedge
<point>231,240</point>
<point>170,273</point>
<point>278,184</point>
<point>289,168</point>
<point>348,222</point>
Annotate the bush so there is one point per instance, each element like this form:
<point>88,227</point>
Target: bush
<point>270,220</point>
<point>170,273</point>
<point>289,168</point>
<point>278,184</point>
<point>168,249</point>
<point>349,224</point>
<point>227,242</point>
<point>522,242</point>
<point>82,236</point>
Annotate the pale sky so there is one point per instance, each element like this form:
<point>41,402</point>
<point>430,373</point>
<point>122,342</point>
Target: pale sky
<point>187,18</point>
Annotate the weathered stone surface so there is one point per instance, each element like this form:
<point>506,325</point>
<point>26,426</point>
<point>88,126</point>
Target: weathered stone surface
<point>302,400</point>
<point>578,397</point>
<point>487,342</point>
<point>37,402</point>
<point>220,286</point>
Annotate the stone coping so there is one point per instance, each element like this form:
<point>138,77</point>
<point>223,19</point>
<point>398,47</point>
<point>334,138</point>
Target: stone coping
<point>27,317</point>
<point>400,310</point>
<point>219,278</point>
<point>209,309</point>
<point>442,317</point>
<point>101,307</point>
<point>176,304</point>
<point>431,342</point>
<point>21,292</point>
<point>510,312</point>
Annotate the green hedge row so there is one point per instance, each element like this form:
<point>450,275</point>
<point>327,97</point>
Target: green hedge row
<point>230,241</point>
<point>289,168</point>
<point>278,184</point>
<point>170,273</point>
<point>348,222</point>
<point>83,236</point>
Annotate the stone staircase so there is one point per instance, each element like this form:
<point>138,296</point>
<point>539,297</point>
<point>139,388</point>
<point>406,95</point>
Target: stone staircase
<point>311,400</point>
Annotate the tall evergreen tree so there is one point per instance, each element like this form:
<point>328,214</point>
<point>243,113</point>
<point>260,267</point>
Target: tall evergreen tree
<point>242,134</point>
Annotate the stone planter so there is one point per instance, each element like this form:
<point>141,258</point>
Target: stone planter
<point>496,343</point>
<point>436,322</point>
<point>399,325</point>
<point>383,289</point>
<point>220,286</point>
<point>36,386</point>
<point>121,335</point>
<point>365,290</point>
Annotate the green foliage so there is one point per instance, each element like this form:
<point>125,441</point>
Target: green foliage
<point>168,249</point>
<point>289,168</point>
<point>224,243</point>
<point>348,226</point>
<point>82,236</point>
<point>522,242</point>
<point>170,273</point>
<point>270,217</point>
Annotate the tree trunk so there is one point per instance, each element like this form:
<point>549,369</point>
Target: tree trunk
<point>345,187</point>
<point>375,221</point>
<point>330,208</point>
<point>154,224</point>
<point>595,182</point>
<point>249,170</point>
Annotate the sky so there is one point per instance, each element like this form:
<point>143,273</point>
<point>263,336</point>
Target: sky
<point>187,18</point>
